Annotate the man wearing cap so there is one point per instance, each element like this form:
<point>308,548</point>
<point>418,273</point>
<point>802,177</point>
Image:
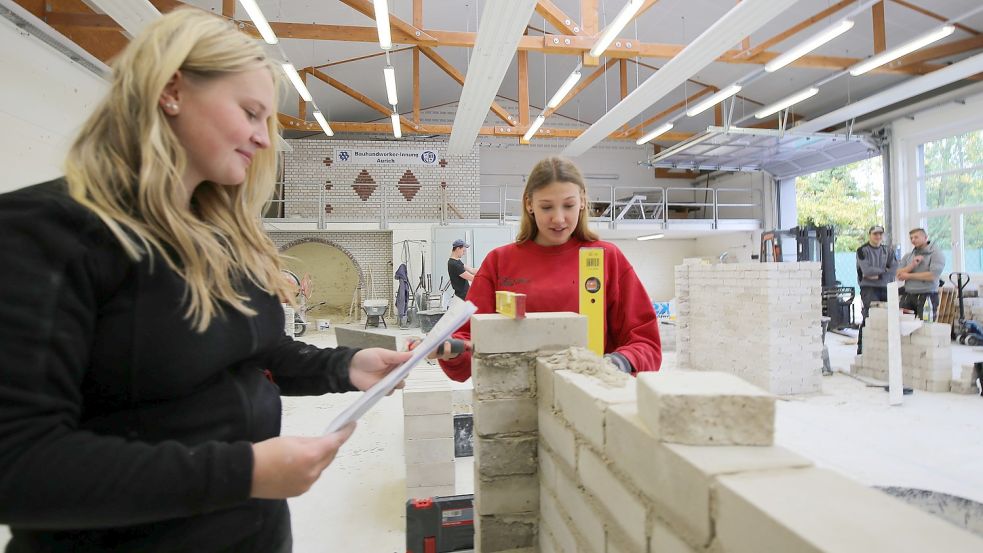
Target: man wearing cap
<point>876,266</point>
<point>461,275</point>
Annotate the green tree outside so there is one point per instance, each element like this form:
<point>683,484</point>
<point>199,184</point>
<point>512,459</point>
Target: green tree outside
<point>849,198</point>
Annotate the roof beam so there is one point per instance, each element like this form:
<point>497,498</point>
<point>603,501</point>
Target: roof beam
<point>336,84</point>
<point>366,8</point>
<point>292,123</point>
<point>877,14</point>
<point>556,17</point>
<point>637,129</point>
<point>934,15</point>
<point>941,51</point>
<point>501,112</point>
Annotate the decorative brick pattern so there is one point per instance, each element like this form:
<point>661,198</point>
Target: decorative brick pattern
<point>309,169</point>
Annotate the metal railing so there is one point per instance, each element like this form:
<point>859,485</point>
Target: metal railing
<point>384,204</point>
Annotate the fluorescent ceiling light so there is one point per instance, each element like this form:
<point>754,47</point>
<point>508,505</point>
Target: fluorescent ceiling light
<point>291,72</point>
<point>382,24</point>
<point>259,20</point>
<point>662,129</point>
<point>615,27</point>
<point>534,127</point>
<point>390,74</point>
<point>907,89</point>
<point>786,102</point>
<point>564,89</point>
<point>650,237</point>
<point>809,45</point>
<point>713,100</point>
<point>324,124</point>
<point>397,132</point>
<point>905,49</point>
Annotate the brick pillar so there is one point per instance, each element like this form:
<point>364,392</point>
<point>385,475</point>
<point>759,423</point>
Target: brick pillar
<point>505,422</point>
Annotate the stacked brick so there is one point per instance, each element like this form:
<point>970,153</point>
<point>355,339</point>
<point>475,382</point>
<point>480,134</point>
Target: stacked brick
<point>926,353</point>
<point>679,461</point>
<point>967,381</point>
<point>428,434</point>
<point>400,192</point>
<point>759,321</point>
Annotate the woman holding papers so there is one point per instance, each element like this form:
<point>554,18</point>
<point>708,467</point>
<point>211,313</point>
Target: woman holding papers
<point>140,320</point>
<point>543,264</point>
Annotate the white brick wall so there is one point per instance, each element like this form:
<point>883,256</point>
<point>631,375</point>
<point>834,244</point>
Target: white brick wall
<point>625,490</point>
<point>759,321</point>
<point>926,354</point>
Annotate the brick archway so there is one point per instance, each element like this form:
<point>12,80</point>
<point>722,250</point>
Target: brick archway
<point>358,266</point>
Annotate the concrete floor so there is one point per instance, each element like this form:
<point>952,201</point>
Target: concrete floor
<point>933,441</point>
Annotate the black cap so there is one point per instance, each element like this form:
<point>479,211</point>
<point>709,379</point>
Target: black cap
<point>460,244</point>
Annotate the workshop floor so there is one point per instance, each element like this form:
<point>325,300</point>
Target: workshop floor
<point>933,441</point>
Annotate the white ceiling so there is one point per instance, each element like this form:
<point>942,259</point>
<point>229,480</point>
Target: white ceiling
<point>668,21</point>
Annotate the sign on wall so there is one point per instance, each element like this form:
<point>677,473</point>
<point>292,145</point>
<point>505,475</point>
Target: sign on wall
<point>383,156</point>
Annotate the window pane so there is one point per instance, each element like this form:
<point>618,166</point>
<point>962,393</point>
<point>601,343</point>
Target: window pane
<point>973,238</point>
<point>940,233</point>
<point>951,153</point>
<point>955,190</point>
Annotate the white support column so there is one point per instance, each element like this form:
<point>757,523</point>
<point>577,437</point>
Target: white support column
<point>894,381</point>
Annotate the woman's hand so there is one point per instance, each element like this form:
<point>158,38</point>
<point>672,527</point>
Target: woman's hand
<point>288,466</point>
<point>371,365</point>
<point>450,349</point>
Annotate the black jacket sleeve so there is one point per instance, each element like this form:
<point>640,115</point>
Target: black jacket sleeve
<point>302,369</point>
<point>54,474</point>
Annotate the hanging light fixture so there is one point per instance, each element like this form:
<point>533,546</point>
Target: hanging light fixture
<point>565,88</point>
<point>259,20</point>
<point>713,100</point>
<point>786,102</point>
<point>538,122</point>
<point>809,45</point>
<point>397,131</point>
<point>382,24</point>
<point>660,130</point>
<point>615,27</point>
<point>390,74</point>
<point>905,49</point>
<point>291,72</point>
<point>324,123</point>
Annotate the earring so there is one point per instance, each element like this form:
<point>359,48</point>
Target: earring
<point>171,107</point>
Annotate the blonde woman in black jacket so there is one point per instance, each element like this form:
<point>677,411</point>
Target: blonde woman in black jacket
<point>140,322</point>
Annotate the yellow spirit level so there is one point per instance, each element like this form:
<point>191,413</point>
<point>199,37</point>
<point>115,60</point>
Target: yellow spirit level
<point>510,304</point>
<point>591,284</point>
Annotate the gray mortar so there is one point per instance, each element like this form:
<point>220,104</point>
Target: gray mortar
<point>585,361</point>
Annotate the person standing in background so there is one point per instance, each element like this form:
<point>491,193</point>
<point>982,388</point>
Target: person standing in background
<point>876,266</point>
<point>460,274</point>
<point>920,271</point>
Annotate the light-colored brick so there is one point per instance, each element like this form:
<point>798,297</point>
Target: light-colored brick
<point>423,492</point>
<point>627,511</point>
<point>426,401</point>
<point>583,400</point>
<point>505,534</point>
<point>505,456</point>
<point>423,427</point>
<point>494,333</point>
<point>790,510</point>
<point>705,408</point>
<point>560,439</point>
<point>585,522</point>
<point>505,416</point>
<point>508,494</point>
<point>430,474</point>
<point>433,450</point>
<point>503,376</point>
<point>553,518</point>
<point>544,383</point>
<point>663,540</point>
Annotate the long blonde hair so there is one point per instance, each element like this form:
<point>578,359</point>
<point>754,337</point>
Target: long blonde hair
<point>126,165</point>
<point>545,173</point>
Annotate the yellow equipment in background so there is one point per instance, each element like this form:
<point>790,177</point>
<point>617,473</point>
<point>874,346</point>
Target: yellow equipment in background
<point>591,283</point>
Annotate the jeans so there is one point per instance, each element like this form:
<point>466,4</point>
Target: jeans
<point>870,294</point>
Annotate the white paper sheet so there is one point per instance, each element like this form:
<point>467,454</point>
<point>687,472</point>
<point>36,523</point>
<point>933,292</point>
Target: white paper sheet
<point>455,317</point>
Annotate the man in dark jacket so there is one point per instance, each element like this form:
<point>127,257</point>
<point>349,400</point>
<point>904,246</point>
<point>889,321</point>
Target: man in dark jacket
<point>876,266</point>
<point>920,270</point>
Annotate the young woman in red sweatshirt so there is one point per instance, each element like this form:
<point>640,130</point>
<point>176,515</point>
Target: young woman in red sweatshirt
<point>543,264</point>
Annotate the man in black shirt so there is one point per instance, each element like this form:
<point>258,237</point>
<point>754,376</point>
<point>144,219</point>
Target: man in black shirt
<point>461,275</point>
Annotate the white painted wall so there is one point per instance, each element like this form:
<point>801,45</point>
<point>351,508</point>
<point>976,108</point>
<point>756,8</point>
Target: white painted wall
<point>44,99</point>
<point>654,261</point>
